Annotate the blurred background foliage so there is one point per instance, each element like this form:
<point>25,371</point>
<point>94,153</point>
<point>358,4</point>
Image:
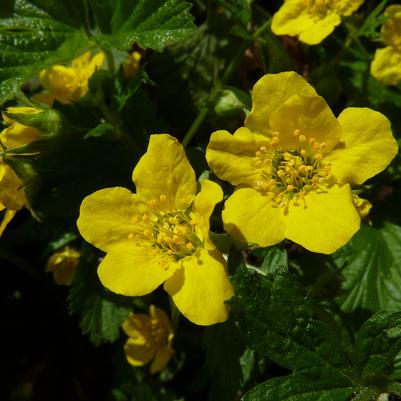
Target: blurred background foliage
<point>303,326</point>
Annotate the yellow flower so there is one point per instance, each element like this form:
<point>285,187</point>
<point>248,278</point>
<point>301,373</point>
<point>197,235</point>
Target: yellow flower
<point>311,20</point>
<point>150,338</point>
<point>69,84</point>
<point>12,194</point>
<point>131,66</point>
<point>386,65</point>
<point>18,134</point>
<point>63,265</point>
<point>363,206</point>
<point>293,164</point>
<point>160,234</point>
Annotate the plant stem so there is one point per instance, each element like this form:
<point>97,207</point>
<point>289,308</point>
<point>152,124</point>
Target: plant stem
<point>219,86</point>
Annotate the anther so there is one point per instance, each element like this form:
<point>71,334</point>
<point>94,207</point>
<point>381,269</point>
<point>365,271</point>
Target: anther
<point>163,198</point>
<point>304,153</point>
<point>302,138</point>
<point>318,156</point>
<point>296,132</point>
<point>152,203</point>
<point>131,236</point>
<point>263,149</point>
<point>290,187</point>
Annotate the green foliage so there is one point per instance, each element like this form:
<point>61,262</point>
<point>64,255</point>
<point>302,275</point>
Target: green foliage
<point>370,265</point>
<point>281,325</point>
<point>37,34</point>
<point>101,313</point>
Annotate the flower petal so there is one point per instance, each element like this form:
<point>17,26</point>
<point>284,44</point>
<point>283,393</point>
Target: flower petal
<point>322,28</point>
<point>203,206</point>
<point>311,116</point>
<point>107,217</point>
<point>201,287</point>
<point>12,194</point>
<point>7,217</point>
<point>18,135</point>
<point>328,221</point>
<point>161,360</point>
<point>165,170</point>
<point>248,216</point>
<point>134,271</point>
<point>386,66</point>
<point>138,355</point>
<point>269,93</point>
<point>136,328</point>
<point>369,146</point>
<point>232,157</point>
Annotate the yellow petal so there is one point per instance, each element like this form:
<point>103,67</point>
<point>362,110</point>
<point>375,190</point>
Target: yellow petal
<point>328,221</point>
<point>201,287</point>
<point>161,360</point>
<point>161,318</point>
<point>269,93</point>
<point>311,116</point>
<point>369,146</point>
<point>348,7</point>
<point>134,271</point>
<point>136,328</point>
<point>232,157</point>
<point>82,61</point>
<point>23,110</point>
<point>391,28</point>
<point>109,217</point>
<point>7,217</point>
<point>61,82</point>
<point>249,217</point>
<point>138,355</point>
<point>363,206</point>
<point>293,18</point>
<point>322,28</point>
<point>95,63</point>
<point>386,66</point>
<point>18,135</point>
<point>12,194</point>
<point>205,201</point>
<point>164,175</point>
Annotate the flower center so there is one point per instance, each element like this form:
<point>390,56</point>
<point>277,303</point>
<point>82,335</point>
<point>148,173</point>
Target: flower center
<point>170,231</point>
<point>157,334</point>
<point>290,174</point>
<point>320,7</point>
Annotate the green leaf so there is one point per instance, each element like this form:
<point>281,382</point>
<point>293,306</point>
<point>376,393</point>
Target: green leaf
<point>101,313</point>
<point>377,344</point>
<point>224,346</point>
<point>371,270</point>
<point>239,10</point>
<point>150,23</point>
<point>37,34</point>
<point>103,129</point>
<point>275,260</point>
<point>373,21</point>
<point>280,323</point>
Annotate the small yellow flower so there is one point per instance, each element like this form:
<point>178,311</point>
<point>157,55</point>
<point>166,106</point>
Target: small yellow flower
<point>150,338</point>
<point>311,20</point>
<point>17,134</point>
<point>12,194</point>
<point>63,265</point>
<point>386,65</point>
<point>293,164</point>
<point>160,234</point>
<point>69,84</point>
<point>131,66</point>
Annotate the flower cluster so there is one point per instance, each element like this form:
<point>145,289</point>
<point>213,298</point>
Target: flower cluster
<point>12,194</point>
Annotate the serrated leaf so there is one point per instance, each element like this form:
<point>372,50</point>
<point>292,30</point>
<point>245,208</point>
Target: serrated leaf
<point>377,344</point>
<point>101,313</point>
<point>279,323</point>
<point>150,23</point>
<point>370,265</point>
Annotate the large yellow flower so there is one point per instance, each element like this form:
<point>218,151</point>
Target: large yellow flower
<point>69,84</point>
<point>293,164</point>
<point>311,20</point>
<point>150,338</point>
<point>386,65</point>
<point>12,194</point>
<point>160,234</point>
